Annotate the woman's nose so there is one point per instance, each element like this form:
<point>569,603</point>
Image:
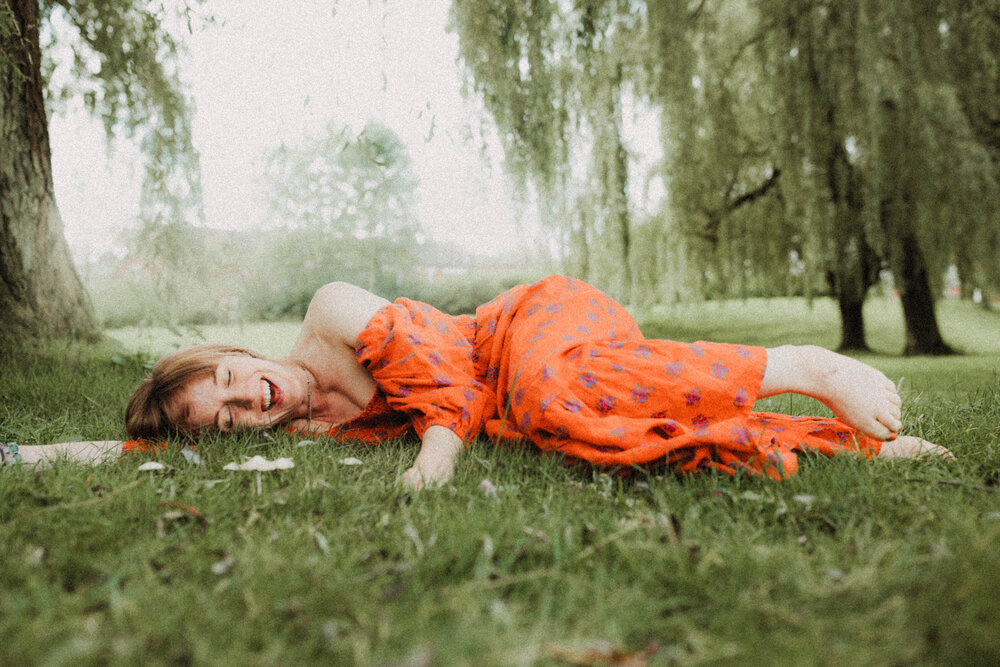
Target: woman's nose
<point>242,396</point>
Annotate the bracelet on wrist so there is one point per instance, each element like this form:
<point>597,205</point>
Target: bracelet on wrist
<point>8,454</point>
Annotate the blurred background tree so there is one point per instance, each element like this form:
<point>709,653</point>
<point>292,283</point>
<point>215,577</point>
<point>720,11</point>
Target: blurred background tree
<point>808,146</point>
<point>674,150</point>
<point>347,202</point>
<point>123,67</point>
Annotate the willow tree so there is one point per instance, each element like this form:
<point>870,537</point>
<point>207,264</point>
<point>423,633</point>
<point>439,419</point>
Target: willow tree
<point>882,163</point>
<point>121,68</point>
<point>555,78</point>
<point>811,47</point>
<point>970,35</point>
<point>925,160</point>
<point>718,139</point>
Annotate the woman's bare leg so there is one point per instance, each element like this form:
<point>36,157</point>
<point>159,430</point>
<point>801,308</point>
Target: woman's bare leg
<point>858,394</point>
<point>908,446</point>
<point>861,396</point>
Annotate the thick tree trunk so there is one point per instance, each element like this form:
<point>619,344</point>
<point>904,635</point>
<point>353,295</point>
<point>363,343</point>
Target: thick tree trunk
<point>40,291</point>
<point>852,325</point>
<point>922,333</point>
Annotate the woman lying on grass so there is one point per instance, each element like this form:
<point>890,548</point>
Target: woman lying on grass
<point>556,362</point>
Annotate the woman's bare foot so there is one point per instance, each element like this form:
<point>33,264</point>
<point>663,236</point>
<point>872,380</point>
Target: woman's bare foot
<point>908,447</point>
<point>861,396</point>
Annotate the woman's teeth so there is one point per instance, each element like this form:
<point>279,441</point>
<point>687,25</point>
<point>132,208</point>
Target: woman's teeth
<point>265,392</point>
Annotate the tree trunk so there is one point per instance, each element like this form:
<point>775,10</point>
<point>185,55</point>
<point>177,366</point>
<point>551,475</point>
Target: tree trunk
<point>40,291</point>
<point>854,267</point>
<point>922,333</point>
<point>905,255</point>
<point>852,324</point>
<point>618,185</point>
<point>854,272</point>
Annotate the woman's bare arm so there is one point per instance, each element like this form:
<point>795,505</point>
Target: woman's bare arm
<point>343,310</point>
<point>90,451</point>
<point>435,463</point>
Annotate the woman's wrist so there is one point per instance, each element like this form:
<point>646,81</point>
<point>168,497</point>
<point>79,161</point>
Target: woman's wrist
<point>9,453</point>
<point>435,462</point>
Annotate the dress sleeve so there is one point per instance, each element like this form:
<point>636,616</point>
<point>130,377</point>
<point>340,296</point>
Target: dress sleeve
<point>422,362</point>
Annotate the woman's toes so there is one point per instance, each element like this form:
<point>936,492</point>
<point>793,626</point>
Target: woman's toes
<point>894,426</point>
<point>877,430</point>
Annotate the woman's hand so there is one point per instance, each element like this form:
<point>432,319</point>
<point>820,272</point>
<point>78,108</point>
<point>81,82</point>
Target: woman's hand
<point>311,426</point>
<point>421,476</point>
<point>435,463</point>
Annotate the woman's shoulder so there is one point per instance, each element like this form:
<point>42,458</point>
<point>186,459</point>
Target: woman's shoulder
<point>341,310</point>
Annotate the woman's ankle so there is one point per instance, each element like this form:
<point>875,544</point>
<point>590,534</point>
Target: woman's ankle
<point>799,369</point>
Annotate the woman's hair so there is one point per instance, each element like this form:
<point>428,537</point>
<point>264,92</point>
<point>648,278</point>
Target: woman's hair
<point>147,416</point>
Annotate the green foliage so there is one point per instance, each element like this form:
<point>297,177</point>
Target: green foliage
<point>346,199</point>
<point>459,295</point>
<point>549,73</point>
<point>341,208</point>
<point>237,277</point>
<point>849,562</point>
<point>776,146</point>
<point>8,27</point>
<point>505,47</point>
<point>125,56</point>
<point>344,186</point>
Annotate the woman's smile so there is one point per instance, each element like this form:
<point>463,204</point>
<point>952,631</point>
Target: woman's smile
<point>271,394</point>
<point>243,392</point>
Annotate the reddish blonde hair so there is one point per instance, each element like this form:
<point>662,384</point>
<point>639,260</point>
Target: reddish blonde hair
<point>147,416</point>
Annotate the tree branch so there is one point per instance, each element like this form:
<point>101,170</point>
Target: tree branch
<point>757,193</point>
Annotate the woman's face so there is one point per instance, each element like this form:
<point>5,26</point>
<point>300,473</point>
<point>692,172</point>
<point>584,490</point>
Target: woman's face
<point>242,392</point>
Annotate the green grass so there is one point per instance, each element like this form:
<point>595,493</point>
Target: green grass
<point>849,562</point>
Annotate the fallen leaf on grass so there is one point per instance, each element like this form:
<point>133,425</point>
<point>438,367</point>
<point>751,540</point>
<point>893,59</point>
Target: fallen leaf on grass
<point>321,541</point>
<point>260,464</point>
<point>350,461</point>
<point>36,557</point>
<point>602,653</point>
<point>152,465</point>
<point>488,488</point>
<point>804,499</point>
<point>191,456</point>
<point>178,516</point>
<point>223,565</point>
<point>190,510</point>
<point>537,534</point>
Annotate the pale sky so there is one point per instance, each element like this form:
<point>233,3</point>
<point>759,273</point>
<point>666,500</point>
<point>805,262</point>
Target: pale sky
<point>262,75</point>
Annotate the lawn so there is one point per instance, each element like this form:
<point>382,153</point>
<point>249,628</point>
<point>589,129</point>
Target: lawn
<point>521,559</point>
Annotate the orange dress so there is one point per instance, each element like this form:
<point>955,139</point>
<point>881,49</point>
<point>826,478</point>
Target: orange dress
<point>564,366</point>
